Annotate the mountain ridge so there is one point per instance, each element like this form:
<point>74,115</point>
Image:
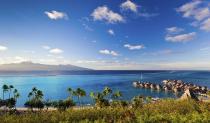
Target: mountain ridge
<point>30,66</point>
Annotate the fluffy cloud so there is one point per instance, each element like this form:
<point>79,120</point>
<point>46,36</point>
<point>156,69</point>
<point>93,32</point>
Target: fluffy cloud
<point>181,37</point>
<point>55,15</point>
<point>174,30</point>
<point>19,59</point>
<point>52,50</point>
<point>103,13</point>
<point>131,6</point>
<point>3,48</point>
<point>134,47</point>
<point>174,35</point>
<point>111,32</point>
<point>128,5</point>
<point>56,51</point>
<point>199,11</point>
<point>202,13</point>
<point>108,52</point>
<point>205,25</point>
<point>188,9</point>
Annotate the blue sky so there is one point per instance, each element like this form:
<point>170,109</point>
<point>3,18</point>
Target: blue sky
<point>107,34</point>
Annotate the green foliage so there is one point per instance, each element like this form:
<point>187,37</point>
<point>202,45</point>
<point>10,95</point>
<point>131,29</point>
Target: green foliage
<point>139,109</point>
<point>35,99</point>
<point>62,105</point>
<point>79,93</point>
<point>9,102</point>
<point>119,104</point>
<point>102,115</point>
<point>178,111</point>
<point>116,95</point>
<point>99,99</point>
<point>208,92</point>
<point>137,102</point>
<point>163,111</point>
<point>33,103</point>
<point>107,91</point>
<point>48,103</point>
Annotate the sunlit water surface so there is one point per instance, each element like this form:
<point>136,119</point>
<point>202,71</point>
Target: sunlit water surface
<point>54,87</point>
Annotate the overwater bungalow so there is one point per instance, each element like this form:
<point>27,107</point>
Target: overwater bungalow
<point>173,85</point>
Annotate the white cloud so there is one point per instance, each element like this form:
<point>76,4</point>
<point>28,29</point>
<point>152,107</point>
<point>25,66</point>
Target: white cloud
<point>128,5</point>
<point>174,30</point>
<point>181,37</point>
<point>104,13</point>
<point>56,51</point>
<point>46,47</point>
<point>3,48</point>
<point>188,9</point>
<point>19,59</point>
<point>111,32</point>
<point>202,13</point>
<point>199,11</point>
<point>205,25</point>
<point>134,47</point>
<point>108,52</point>
<point>52,50</point>
<point>55,15</point>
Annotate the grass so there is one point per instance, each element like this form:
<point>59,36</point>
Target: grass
<point>163,111</point>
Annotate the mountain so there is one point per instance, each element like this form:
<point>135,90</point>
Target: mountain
<point>29,66</point>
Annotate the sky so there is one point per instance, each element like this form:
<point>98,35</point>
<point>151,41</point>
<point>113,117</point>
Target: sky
<point>107,34</point>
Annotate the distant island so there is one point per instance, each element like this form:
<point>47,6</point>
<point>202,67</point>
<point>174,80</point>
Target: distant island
<point>30,66</point>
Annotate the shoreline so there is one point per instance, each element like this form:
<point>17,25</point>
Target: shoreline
<point>206,100</point>
<point>49,109</point>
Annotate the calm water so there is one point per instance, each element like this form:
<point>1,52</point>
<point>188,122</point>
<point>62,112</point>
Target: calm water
<point>54,87</point>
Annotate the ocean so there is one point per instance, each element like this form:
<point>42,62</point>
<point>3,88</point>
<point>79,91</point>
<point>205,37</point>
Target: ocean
<point>54,84</point>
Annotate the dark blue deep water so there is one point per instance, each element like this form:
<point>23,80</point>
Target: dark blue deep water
<point>54,84</point>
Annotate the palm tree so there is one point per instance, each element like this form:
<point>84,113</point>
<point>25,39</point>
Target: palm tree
<point>70,91</point>
<point>14,92</point>
<point>34,89</point>
<point>117,95</point>
<point>80,93</point>
<point>92,95</point>
<point>5,89</point>
<point>16,95</point>
<point>30,94</point>
<point>39,94</point>
<point>107,91</point>
<point>10,89</point>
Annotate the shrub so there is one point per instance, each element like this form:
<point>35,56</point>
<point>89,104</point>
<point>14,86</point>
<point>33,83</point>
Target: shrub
<point>63,104</point>
<point>119,103</point>
<point>137,102</point>
<point>34,104</point>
